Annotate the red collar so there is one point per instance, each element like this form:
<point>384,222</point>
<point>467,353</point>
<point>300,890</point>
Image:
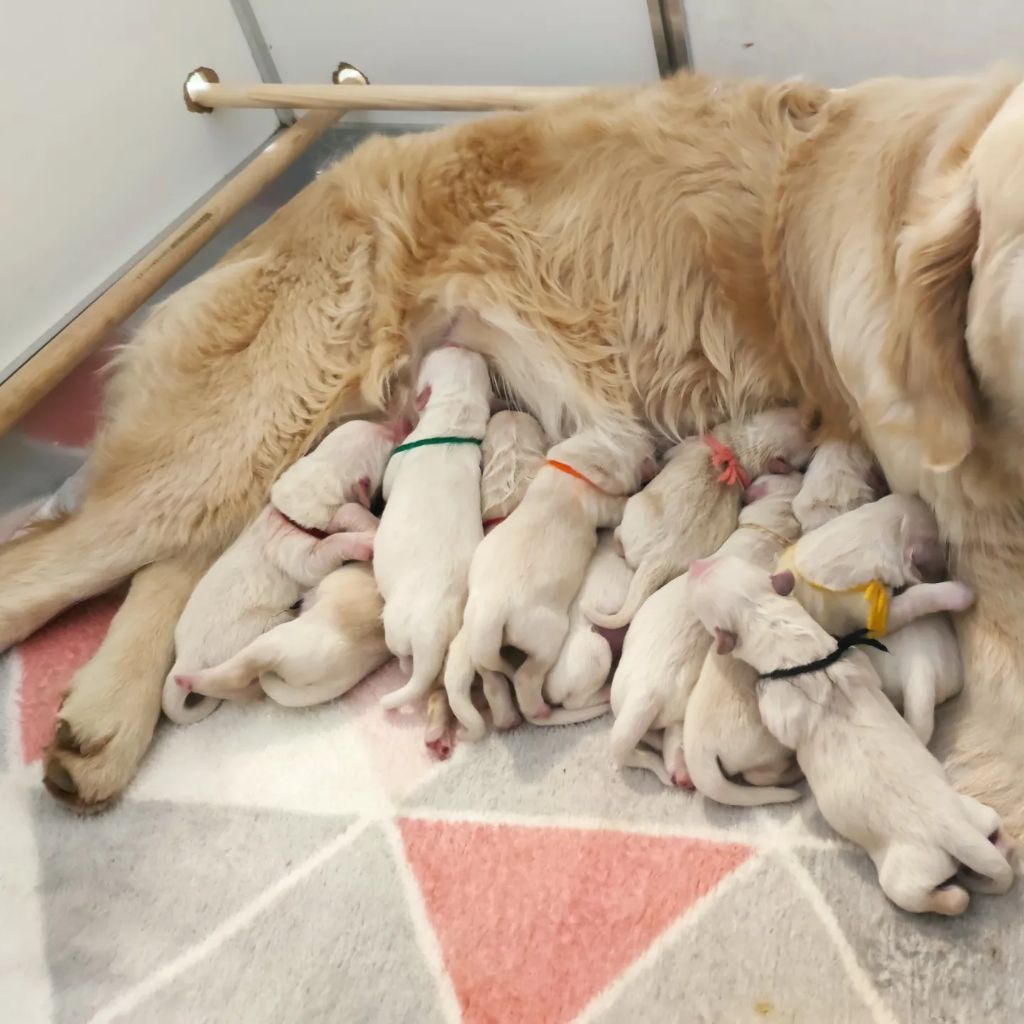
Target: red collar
<point>310,531</point>
<point>724,458</point>
<point>488,523</point>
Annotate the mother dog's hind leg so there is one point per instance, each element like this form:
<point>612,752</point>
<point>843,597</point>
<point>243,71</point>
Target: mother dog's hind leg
<point>106,722</point>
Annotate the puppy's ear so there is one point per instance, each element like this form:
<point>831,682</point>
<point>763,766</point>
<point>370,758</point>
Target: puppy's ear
<point>779,466</point>
<point>648,470</point>
<point>783,583</point>
<point>422,398</point>
<point>927,350</point>
<point>725,641</point>
<point>363,492</point>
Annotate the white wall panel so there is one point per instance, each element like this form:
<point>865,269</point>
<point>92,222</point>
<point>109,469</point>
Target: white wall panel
<point>838,42</point>
<point>462,42</point>
<point>99,152</point>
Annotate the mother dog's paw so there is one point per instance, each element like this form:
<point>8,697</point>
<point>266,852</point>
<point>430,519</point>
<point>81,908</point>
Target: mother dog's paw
<point>103,729</point>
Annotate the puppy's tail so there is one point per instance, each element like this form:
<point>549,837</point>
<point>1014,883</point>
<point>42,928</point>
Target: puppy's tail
<point>459,673</point>
<point>978,853</point>
<point>707,775</point>
<point>649,576</point>
<point>919,700</point>
<point>427,661</point>
<point>573,716</point>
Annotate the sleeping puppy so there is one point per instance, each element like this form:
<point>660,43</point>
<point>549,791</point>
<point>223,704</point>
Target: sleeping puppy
<point>336,641</point>
<point>875,782</point>
<point>922,669</point>
<point>579,677</point>
<point>723,734</point>
<point>666,646</point>
<point>842,476</point>
<point>526,573</point>
<point>847,570</point>
<point>431,522</point>
<point>253,586</point>
<point>513,452</point>
<point>692,505</point>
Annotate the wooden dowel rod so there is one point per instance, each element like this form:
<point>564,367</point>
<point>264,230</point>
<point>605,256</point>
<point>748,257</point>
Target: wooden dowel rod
<point>377,97</point>
<point>66,349</point>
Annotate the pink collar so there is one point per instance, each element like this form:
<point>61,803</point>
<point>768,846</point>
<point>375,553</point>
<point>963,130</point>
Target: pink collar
<point>724,458</point>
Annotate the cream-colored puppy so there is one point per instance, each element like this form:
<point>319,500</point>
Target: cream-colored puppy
<point>875,782</point>
<point>337,640</point>
<point>723,734</point>
<point>842,476</point>
<point>431,522</point>
<point>693,504</point>
<point>847,570</point>
<point>579,677</point>
<point>513,452</point>
<point>666,646</point>
<point>526,573</point>
<point>253,586</point>
<point>922,669</point>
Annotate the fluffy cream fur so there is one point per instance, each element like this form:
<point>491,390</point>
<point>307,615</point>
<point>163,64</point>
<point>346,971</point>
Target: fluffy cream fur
<point>665,257</point>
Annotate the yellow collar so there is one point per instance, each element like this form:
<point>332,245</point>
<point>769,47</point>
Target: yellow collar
<point>875,592</point>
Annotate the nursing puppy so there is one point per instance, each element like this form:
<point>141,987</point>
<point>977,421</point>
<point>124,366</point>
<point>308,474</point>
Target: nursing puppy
<point>846,571</point>
<point>337,640</point>
<point>842,476</point>
<point>431,522</point>
<point>692,505</point>
<point>723,734</point>
<point>526,573</point>
<point>578,679</point>
<point>253,586</point>
<point>922,669</point>
<point>875,782</point>
<point>666,646</point>
<point>513,452</point>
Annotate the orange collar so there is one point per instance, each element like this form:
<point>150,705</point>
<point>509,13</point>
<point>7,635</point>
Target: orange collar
<point>724,458</point>
<point>564,467</point>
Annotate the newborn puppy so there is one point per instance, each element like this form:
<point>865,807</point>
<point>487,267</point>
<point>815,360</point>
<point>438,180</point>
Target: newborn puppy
<point>922,669</point>
<point>666,645</point>
<point>846,571</point>
<point>513,452</point>
<point>692,505</point>
<point>252,586</point>
<point>875,782</point>
<point>526,573</point>
<point>431,522</point>
<point>578,679</point>
<point>723,733</point>
<point>842,476</point>
<point>336,641</point>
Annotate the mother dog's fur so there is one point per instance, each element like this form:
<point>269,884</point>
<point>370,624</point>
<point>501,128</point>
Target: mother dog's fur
<point>651,258</point>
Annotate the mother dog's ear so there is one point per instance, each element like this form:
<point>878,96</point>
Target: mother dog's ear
<point>927,349</point>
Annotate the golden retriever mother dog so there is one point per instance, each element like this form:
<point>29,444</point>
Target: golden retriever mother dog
<point>654,259</point>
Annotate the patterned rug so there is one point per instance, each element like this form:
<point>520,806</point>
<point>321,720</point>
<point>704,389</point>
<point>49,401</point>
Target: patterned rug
<point>274,865</point>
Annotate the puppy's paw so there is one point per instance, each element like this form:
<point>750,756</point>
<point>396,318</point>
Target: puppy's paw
<point>682,780</point>
<point>960,596</point>
<point>949,900</point>
<point>441,748</point>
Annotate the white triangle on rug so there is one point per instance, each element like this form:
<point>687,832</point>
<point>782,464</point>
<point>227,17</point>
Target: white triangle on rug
<point>262,755</point>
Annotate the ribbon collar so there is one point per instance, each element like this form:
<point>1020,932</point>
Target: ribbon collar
<point>564,467</point>
<point>858,638</point>
<point>724,458</point>
<point>875,592</point>
<point>423,442</point>
<point>310,531</point>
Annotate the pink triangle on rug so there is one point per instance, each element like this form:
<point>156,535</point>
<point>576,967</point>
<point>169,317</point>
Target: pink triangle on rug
<point>534,922</point>
<point>49,658</point>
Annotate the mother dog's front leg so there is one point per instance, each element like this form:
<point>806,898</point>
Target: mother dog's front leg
<point>106,722</point>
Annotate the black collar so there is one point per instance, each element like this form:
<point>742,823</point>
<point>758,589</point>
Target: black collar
<point>858,638</point>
